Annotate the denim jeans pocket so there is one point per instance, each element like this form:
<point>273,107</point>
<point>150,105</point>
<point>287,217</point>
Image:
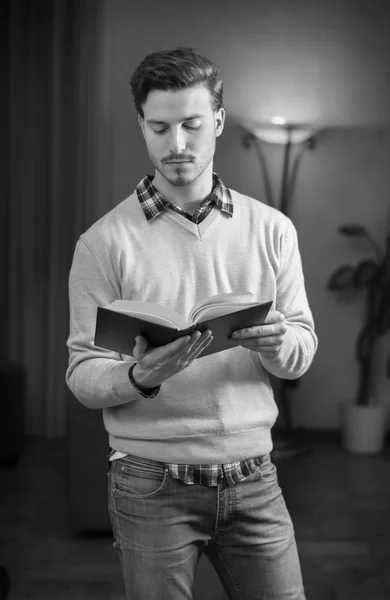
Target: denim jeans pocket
<point>268,471</point>
<point>110,453</point>
<point>136,477</point>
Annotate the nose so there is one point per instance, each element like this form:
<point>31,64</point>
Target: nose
<point>177,142</point>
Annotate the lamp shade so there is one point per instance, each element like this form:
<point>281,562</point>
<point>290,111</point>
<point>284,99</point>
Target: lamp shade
<point>280,133</point>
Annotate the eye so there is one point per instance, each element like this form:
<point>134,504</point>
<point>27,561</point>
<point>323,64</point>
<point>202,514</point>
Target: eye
<point>158,131</point>
<point>192,127</point>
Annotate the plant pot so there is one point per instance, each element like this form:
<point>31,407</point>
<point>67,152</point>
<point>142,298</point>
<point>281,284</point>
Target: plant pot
<point>364,428</point>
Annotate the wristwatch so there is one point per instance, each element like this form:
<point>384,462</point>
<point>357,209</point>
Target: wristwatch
<point>145,392</point>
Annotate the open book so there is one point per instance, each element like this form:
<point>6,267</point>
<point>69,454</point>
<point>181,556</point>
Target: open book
<point>118,323</point>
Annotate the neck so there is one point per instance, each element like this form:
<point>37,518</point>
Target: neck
<point>187,197</point>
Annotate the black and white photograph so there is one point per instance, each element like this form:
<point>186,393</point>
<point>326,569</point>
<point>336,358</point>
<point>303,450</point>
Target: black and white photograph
<point>195,300</point>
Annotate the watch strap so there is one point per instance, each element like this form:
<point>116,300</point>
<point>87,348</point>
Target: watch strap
<point>145,392</point>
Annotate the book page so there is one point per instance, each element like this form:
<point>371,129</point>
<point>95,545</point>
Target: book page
<point>220,304</point>
<point>212,312</point>
<point>151,312</point>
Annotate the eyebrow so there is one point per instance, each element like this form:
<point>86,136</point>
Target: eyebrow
<point>191,118</point>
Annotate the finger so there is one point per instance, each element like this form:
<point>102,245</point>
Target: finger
<point>195,341</point>
<point>140,346</point>
<point>253,332</point>
<point>257,341</point>
<point>171,349</point>
<point>274,316</point>
<point>200,345</point>
<point>201,348</point>
<point>272,329</point>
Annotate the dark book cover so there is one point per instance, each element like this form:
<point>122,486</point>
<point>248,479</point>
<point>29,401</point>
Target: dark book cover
<point>117,331</point>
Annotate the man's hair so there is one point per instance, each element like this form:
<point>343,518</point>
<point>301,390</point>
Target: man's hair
<point>175,70</point>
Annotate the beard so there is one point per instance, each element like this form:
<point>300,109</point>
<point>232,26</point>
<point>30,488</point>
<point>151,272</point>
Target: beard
<point>180,176</point>
<point>178,180</point>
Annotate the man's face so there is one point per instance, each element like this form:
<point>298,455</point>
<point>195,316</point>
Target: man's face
<point>180,129</point>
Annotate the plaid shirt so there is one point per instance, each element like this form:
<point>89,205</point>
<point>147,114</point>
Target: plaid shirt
<point>207,475</point>
<point>153,203</point>
<point>212,475</point>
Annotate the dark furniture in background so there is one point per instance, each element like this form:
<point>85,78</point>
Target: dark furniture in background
<point>12,431</point>
<point>12,412</point>
<point>5,583</point>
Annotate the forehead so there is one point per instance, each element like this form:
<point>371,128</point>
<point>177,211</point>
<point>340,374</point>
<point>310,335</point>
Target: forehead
<point>171,105</point>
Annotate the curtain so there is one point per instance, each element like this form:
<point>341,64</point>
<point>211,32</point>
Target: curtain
<point>52,77</point>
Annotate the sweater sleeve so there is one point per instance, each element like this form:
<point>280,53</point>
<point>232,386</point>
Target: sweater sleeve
<point>300,343</point>
<point>98,378</point>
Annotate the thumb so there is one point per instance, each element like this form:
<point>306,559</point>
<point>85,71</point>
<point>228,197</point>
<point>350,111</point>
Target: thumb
<point>140,346</point>
<point>274,316</point>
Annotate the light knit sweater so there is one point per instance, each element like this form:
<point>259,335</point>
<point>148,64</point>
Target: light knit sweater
<point>221,408</point>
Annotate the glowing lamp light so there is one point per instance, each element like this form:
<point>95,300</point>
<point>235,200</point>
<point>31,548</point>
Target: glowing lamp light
<point>279,131</point>
<point>278,120</point>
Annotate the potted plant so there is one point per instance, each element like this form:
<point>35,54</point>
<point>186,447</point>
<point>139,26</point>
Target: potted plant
<point>365,419</point>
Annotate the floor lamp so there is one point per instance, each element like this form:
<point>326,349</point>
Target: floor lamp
<point>294,139</point>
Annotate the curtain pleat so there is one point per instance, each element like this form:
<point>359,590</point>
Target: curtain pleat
<point>54,77</point>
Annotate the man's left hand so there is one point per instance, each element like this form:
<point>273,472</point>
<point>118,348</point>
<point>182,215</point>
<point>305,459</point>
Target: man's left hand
<point>266,339</point>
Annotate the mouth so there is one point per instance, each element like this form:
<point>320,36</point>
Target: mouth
<point>177,162</point>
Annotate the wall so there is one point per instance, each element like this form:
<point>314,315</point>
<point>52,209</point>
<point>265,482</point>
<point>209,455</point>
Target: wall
<point>323,63</point>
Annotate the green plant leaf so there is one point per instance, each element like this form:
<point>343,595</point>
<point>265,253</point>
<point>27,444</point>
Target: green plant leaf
<point>365,273</point>
<point>342,279</point>
<point>353,230</point>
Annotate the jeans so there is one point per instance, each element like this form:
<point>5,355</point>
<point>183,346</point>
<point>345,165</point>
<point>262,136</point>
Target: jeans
<point>161,527</point>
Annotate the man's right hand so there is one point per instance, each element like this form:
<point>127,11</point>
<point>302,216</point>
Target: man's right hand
<point>156,365</point>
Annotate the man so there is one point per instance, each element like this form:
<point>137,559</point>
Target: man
<point>190,438</point>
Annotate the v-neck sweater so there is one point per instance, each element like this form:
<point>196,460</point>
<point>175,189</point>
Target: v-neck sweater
<point>221,408</point>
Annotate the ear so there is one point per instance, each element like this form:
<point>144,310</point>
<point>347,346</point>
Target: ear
<point>219,121</point>
<point>141,123</point>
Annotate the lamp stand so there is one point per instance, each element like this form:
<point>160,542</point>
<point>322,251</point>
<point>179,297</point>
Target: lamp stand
<point>286,441</point>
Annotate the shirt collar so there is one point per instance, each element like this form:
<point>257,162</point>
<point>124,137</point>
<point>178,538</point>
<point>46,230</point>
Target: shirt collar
<point>153,203</point>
